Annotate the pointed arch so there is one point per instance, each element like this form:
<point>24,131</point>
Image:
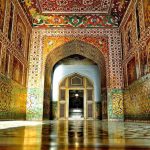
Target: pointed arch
<point>70,48</point>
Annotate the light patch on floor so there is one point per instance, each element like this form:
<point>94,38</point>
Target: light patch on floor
<point>13,124</point>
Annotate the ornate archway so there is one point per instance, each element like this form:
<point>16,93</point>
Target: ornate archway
<point>106,43</point>
<point>70,48</point>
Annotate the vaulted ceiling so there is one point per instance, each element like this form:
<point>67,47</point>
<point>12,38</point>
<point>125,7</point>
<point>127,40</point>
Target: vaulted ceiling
<point>75,13</point>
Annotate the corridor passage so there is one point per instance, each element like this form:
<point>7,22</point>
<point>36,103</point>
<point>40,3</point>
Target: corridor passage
<point>74,134</point>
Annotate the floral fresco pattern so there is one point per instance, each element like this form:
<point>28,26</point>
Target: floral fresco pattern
<point>40,13</point>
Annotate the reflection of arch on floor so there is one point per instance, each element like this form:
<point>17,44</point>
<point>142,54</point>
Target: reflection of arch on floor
<point>68,49</point>
<point>76,82</point>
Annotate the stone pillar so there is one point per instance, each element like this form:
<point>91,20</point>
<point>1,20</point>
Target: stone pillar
<point>35,85</point>
<point>115,84</point>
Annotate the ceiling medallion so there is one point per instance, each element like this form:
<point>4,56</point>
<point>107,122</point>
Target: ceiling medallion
<point>87,2</point>
<point>61,2</point>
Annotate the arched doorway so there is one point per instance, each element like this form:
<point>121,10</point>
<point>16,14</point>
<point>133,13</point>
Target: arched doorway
<point>80,48</point>
<point>76,98</point>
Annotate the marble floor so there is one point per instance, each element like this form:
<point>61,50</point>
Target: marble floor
<point>74,135</point>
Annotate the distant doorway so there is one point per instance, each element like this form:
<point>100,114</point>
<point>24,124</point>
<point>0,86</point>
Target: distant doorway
<point>76,98</point>
<point>76,104</point>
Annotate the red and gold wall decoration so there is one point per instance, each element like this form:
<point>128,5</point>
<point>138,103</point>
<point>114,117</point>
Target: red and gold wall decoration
<point>67,21</point>
<point>54,42</point>
<point>80,6</point>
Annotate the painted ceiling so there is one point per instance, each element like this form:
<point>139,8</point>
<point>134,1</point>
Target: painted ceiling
<point>75,6</point>
<point>75,13</point>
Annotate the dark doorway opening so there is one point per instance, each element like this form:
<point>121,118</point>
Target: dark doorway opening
<point>76,104</point>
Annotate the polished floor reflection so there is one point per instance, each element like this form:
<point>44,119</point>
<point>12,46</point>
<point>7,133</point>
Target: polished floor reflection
<point>77,134</point>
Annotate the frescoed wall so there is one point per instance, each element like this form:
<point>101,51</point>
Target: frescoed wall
<point>146,4</point>
<point>131,71</point>
<point>11,19</point>
<point>13,63</point>
<point>128,33</point>
<point>136,61</point>
<point>20,35</point>
<point>17,74</point>
<point>2,13</point>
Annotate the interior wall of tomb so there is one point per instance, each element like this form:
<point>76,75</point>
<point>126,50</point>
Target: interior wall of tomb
<point>135,31</point>
<point>15,31</point>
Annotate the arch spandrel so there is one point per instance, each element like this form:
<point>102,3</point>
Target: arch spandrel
<point>81,48</point>
<point>76,47</point>
<point>52,43</point>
